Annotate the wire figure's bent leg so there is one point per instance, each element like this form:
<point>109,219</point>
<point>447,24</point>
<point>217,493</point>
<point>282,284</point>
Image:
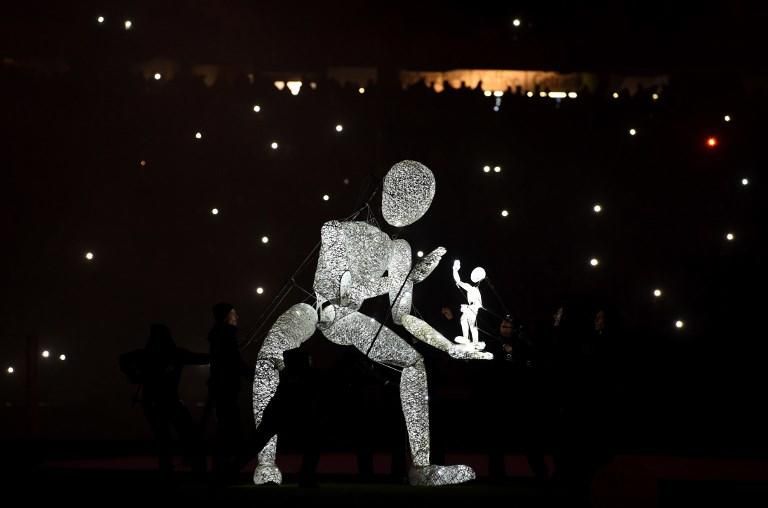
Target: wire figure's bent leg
<point>293,327</point>
<point>359,330</point>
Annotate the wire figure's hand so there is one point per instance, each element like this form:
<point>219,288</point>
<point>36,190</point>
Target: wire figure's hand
<point>462,352</point>
<point>456,265</point>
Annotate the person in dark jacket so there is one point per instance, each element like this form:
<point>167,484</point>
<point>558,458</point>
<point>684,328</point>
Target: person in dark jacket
<point>224,385</point>
<point>157,369</point>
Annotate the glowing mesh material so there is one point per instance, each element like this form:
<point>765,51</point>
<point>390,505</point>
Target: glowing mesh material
<point>409,187</point>
<point>293,327</point>
<point>353,260</point>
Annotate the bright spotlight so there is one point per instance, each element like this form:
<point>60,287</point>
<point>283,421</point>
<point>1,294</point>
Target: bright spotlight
<point>62,357</point>
<point>597,208</point>
<point>274,145</point>
<point>89,256</point>
<point>339,128</point>
<point>529,93</point>
<point>100,19</point>
<point>679,323</point>
<point>557,95</point>
<point>504,213</point>
<point>615,95</point>
<point>711,141</point>
<point>46,354</point>
<point>632,132</point>
<point>420,254</point>
<point>727,118</point>
<point>326,197</point>
<point>256,108</point>
<point>198,135</point>
<point>594,262</point>
<point>158,76</point>
<point>294,87</point>
<point>745,181</point>
<point>572,95</point>
<point>486,169</point>
<point>264,239</point>
<point>498,93</point>
<point>516,22</point>
<point>214,211</point>
<point>729,237</point>
<point>128,24</point>
<point>361,90</point>
<point>497,169</point>
<point>657,293</point>
<point>259,290</point>
<point>655,96</point>
<point>10,370</point>
<point>487,93</point>
<point>280,85</point>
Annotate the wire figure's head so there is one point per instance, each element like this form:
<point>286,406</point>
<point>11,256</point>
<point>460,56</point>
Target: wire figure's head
<point>409,187</point>
<point>477,274</point>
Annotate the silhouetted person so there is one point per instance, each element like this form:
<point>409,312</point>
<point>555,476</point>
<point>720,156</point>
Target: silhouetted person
<point>227,369</point>
<point>157,368</point>
<point>581,362</point>
<point>519,399</point>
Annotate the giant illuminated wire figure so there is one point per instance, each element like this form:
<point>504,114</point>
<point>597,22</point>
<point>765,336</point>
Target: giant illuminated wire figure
<point>354,258</point>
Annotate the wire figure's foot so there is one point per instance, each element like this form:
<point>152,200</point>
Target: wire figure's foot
<point>267,474</point>
<point>440,475</point>
<point>479,346</point>
<point>461,340</point>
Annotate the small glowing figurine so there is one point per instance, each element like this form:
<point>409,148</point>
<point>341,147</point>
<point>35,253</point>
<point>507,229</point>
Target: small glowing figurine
<point>470,309</point>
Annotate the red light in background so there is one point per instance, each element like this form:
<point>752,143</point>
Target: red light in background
<point>712,142</point>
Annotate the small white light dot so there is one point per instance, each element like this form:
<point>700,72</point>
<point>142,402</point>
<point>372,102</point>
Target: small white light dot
<point>496,108</point>
<point>256,108</point>
<point>62,357</point>
<point>361,90</point>
<point>657,293</point>
<point>486,169</point>
<point>100,19</point>
<point>487,93</point>
<point>597,208</point>
<point>259,290</point>
<point>573,95</point>
<point>504,213</point>
<point>128,24</point>
<point>198,135</point>
<point>498,93</point>
<point>745,181</point>
<point>632,132</point>
<point>594,262</point>
<point>655,96</point>
<point>497,169</point>
<point>529,93</point>
<point>420,254</point>
<point>339,128</point>
<point>346,181</point>
<point>679,323</point>
<point>10,370</point>
<point>542,94</point>
<point>274,145</point>
<point>516,22</point>
<point>158,76</point>
<point>46,354</point>
<point>326,197</point>
<point>214,211</point>
<point>729,237</point>
<point>727,118</point>
<point>615,95</point>
<point>89,256</point>
<point>264,239</point>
